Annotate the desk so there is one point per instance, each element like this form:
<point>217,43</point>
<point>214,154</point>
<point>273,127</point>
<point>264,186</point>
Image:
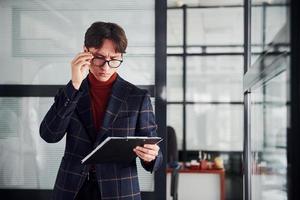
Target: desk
<point>196,184</point>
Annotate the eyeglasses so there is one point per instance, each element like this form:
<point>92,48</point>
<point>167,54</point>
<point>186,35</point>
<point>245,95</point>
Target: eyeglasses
<point>99,62</point>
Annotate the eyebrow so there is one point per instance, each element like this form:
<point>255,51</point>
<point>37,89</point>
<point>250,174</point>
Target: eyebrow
<point>100,55</point>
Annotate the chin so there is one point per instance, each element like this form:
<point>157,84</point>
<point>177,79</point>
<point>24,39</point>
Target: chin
<point>102,78</point>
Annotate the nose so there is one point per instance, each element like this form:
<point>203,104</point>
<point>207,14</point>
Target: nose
<point>105,66</point>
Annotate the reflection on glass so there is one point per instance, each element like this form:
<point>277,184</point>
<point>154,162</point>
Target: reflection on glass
<point>267,20</point>
<point>174,79</point>
<point>214,78</point>
<point>215,127</point>
<point>268,130</point>
<point>205,27</point>
<point>41,38</point>
<point>174,119</point>
<point>269,117</point>
<point>26,160</point>
<point>174,24</point>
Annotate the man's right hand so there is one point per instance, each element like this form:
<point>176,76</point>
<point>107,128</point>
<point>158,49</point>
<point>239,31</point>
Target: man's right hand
<point>79,65</point>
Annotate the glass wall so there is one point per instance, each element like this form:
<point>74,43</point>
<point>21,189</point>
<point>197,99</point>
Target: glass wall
<point>268,139</point>
<point>42,37</point>
<point>204,85</point>
<point>214,87</point>
<point>39,40</point>
<point>214,68</point>
<point>267,84</point>
<point>26,160</point>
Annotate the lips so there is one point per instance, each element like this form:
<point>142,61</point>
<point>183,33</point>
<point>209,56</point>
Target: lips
<point>102,74</point>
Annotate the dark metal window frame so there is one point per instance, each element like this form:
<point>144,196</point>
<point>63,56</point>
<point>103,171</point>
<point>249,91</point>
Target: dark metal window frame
<point>185,54</point>
<point>293,136</point>
<point>185,153</point>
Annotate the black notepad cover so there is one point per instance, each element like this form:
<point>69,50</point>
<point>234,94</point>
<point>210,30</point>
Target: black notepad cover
<point>117,149</point>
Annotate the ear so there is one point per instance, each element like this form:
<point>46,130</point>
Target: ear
<point>85,49</point>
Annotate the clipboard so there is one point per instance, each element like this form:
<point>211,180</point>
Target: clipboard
<point>117,149</point>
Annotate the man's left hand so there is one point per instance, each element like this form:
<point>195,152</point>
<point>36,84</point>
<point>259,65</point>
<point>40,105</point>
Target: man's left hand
<point>148,152</point>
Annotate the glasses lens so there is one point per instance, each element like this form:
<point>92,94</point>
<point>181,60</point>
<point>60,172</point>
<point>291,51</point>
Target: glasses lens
<point>98,61</point>
<point>115,63</point>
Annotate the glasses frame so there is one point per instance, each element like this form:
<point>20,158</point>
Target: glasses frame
<point>105,61</point>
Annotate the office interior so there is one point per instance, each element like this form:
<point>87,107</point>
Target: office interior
<point>223,78</point>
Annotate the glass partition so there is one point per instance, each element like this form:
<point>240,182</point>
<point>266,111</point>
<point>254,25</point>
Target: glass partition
<point>268,139</point>
<point>40,38</point>
<point>267,86</point>
<point>27,161</point>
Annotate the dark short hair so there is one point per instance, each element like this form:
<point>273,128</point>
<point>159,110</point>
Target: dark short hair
<point>99,31</point>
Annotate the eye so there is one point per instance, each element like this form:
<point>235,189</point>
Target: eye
<point>100,57</point>
<point>98,61</point>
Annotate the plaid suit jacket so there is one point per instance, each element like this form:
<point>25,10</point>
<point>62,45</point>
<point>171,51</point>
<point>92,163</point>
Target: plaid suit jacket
<point>129,113</point>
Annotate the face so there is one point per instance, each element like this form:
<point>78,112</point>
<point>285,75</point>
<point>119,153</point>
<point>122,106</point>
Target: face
<point>106,52</point>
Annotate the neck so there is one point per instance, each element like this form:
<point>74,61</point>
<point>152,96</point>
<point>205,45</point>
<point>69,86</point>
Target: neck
<point>96,83</point>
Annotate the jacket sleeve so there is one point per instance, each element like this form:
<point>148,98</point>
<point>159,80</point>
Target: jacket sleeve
<point>146,126</point>
<point>55,123</point>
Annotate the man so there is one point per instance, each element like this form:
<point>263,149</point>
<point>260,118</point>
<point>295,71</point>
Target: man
<point>90,109</point>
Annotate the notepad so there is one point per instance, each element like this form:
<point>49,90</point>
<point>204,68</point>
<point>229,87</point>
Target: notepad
<point>118,149</point>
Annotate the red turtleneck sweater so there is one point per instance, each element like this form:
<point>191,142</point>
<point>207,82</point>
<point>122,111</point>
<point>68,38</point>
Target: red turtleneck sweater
<point>100,93</point>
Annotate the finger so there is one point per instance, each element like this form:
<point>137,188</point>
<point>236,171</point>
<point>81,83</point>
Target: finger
<point>147,151</point>
<point>83,58</point>
<point>138,153</point>
<point>144,157</point>
<point>153,150</point>
<point>80,55</point>
<point>83,63</point>
<point>152,146</point>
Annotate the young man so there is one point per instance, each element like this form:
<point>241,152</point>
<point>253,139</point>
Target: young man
<point>90,109</point>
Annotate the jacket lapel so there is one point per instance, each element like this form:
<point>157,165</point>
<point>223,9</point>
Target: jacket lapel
<point>84,110</point>
<point>119,94</point>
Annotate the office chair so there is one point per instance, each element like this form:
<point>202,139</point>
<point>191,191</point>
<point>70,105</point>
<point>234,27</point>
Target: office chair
<point>174,182</point>
<point>172,159</point>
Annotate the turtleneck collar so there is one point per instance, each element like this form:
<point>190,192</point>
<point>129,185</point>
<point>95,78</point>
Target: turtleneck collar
<point>94,83</point>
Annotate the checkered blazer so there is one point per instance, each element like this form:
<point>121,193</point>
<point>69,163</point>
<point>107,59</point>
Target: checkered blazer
<point>129,113</point>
